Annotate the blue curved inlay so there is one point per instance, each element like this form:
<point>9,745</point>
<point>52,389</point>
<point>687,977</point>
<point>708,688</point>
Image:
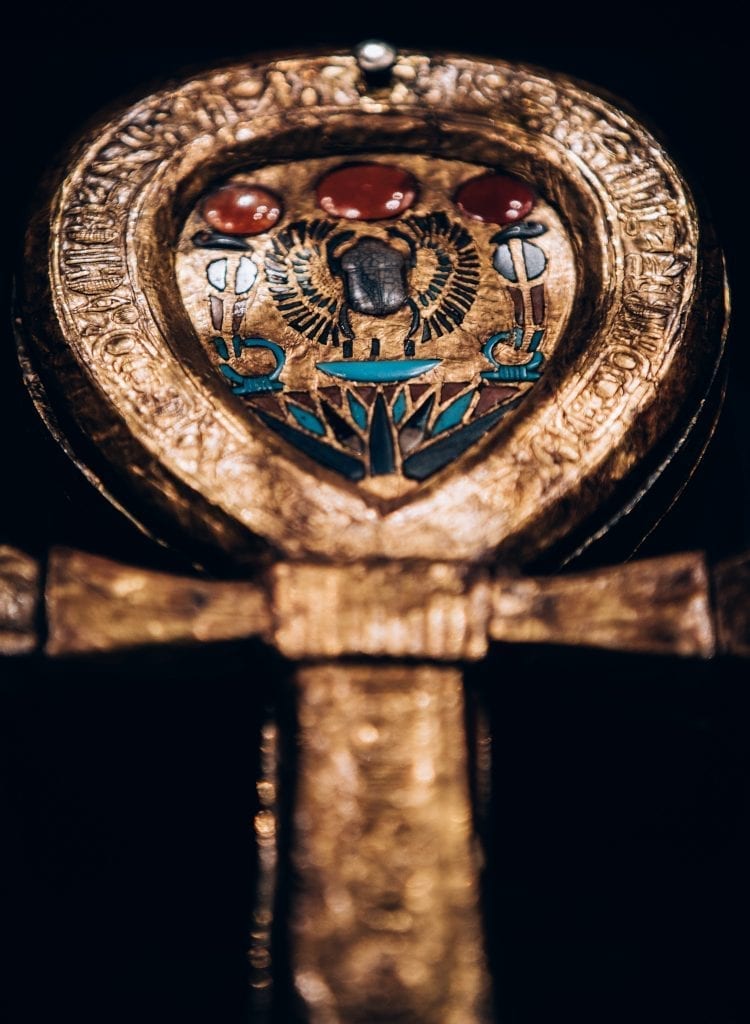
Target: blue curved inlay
<point>489,346</point>
<point>526,229</point>
<point>245,384</point>
<point>306,419</point>
<point>530,370</point>
<point>378,371</point>
<point>453,415</point>
<point>239,343</point>
<point>536,340</point>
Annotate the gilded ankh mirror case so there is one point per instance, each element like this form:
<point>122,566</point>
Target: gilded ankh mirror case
<point>364,337</point>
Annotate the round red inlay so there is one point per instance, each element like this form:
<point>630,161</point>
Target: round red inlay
<point>241,209</point>
<point>495,198</point>
<point>366,191</point>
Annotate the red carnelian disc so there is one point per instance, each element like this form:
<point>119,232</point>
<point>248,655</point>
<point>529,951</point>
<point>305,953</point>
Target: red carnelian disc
<point>495,198</point>
<point>241,209</point>
<point>366,191</point>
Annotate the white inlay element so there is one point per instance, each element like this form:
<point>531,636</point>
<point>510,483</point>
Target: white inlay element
<point>246,275</point>
<point>216,272</point>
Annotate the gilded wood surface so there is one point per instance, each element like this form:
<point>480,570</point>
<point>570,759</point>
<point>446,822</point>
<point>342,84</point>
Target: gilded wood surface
<point>419,610</point>
<point>659,606</point>
<point>643,328</point>
<point>731,582</point>
<point>386,926</point>
<point>20,594</point>
<point>439,611</point>
<point>94,604</point>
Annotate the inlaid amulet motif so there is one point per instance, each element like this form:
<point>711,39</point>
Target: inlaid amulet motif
<point>372,331</point>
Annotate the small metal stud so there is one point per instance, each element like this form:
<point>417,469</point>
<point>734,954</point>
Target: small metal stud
<point>375,56</point>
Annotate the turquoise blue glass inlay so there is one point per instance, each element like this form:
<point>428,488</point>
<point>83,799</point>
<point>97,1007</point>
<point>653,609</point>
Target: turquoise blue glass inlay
<point>350,467</point>
<point>536,340</point>
<point>246,384</point>
<point>453,415</point>
<point>306,419</point>
<point>221,347</point>
<point>378,371</point>
<point>242,385</point>
<point>530,370</point>
<point>381,441</point>
<point>489,346</point>
<point>359,413</point>
<point>399,408</point>
<point>438,454</point>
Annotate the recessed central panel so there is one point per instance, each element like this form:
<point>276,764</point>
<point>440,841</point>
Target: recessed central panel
<point>382,315</point>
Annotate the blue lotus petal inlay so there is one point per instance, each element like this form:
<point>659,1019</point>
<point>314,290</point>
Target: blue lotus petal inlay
<point>306,419</point>
<point>358,411</point>
<point>347,465</point>
<point>381,441</point>
<point>429,460</point>
<point>453,415</point>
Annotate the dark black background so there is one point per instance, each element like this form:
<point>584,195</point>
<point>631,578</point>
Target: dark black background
<point>618,839</point>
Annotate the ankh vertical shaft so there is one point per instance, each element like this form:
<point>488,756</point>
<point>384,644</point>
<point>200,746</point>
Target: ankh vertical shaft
<point>386,925</point>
